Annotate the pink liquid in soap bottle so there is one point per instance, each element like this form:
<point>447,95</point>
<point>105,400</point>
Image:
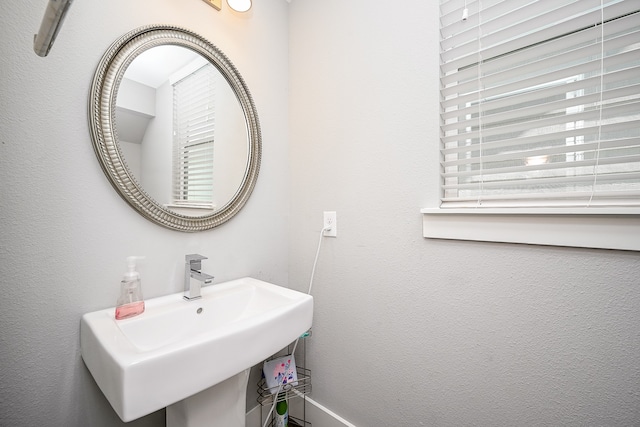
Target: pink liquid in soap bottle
<point>129,310</point>
<point>130,302</point>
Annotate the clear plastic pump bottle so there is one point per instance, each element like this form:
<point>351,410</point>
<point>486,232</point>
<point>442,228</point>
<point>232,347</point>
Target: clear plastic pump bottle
<point>130,302</point>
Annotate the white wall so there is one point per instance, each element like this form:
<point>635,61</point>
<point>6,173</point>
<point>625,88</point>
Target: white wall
<point>64,232</point>
<point>157,148</point>
<point>409,331</point>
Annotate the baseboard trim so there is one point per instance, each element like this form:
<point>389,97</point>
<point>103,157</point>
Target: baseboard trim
<point>317,414</point>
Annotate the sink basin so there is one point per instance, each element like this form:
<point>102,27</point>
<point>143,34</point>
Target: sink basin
<point>178,348</point>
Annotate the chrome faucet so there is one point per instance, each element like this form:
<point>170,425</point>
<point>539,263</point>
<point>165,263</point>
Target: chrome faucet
<point>192,267</point>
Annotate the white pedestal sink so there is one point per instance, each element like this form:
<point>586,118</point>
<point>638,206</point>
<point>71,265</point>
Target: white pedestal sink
<point>192,357</point>
<point>221,405</point>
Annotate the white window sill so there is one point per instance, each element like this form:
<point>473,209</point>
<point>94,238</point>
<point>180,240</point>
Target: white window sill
<point>189,206</point>
<point>605,229</point>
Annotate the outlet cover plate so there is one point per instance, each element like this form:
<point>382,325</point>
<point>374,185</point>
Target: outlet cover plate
<point>330,219</point>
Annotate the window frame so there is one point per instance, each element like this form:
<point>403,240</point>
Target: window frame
<point>553,227</point>
<point>594,227</point>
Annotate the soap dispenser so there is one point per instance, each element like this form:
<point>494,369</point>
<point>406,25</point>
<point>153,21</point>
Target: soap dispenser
<point>130,302</point>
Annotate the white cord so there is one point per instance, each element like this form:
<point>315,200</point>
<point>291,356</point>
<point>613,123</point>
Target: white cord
<point>295,345</point>
<point>595,166</point>
<point>313,270</point>
<point>480,87</point>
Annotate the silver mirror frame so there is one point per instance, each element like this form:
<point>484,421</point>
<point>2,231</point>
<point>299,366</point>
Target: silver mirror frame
<point>104,135</point>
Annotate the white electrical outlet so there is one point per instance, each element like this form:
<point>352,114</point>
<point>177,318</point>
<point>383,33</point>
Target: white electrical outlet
<point>330,220</point>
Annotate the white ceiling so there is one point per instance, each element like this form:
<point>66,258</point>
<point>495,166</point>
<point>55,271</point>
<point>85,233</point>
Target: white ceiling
<point>154,66</point>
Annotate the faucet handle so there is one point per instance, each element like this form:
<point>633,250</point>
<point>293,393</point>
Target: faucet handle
<point>194,261</point>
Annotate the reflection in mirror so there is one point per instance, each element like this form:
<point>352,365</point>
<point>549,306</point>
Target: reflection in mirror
<point>184,158</point>
<point>181,130</point>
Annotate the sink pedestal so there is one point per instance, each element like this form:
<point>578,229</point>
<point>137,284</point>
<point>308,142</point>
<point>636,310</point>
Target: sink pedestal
<point>224,404</point>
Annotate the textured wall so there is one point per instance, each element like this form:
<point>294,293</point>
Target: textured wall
<point>409,331</point>
<point>64,232</point>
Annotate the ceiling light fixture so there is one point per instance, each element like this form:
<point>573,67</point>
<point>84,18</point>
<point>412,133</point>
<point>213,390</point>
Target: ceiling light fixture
<point>239,5</point>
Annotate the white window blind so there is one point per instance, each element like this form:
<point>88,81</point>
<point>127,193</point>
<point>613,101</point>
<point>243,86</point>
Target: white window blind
<point>540,103</point>
<point>193,137</point>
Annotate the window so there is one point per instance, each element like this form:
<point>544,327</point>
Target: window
<point>540,107</point>
<point>193,138</point>
<point>540,103</point>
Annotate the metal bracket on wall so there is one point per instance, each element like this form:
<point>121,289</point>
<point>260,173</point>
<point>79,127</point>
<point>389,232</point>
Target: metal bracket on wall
<point>217,4</point>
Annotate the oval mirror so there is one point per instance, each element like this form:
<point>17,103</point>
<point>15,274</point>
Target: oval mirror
<point>174,128</point>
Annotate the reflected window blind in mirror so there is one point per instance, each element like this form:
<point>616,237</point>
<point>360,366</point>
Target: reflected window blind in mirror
<point>193,136</point>
<point>540,104</point>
